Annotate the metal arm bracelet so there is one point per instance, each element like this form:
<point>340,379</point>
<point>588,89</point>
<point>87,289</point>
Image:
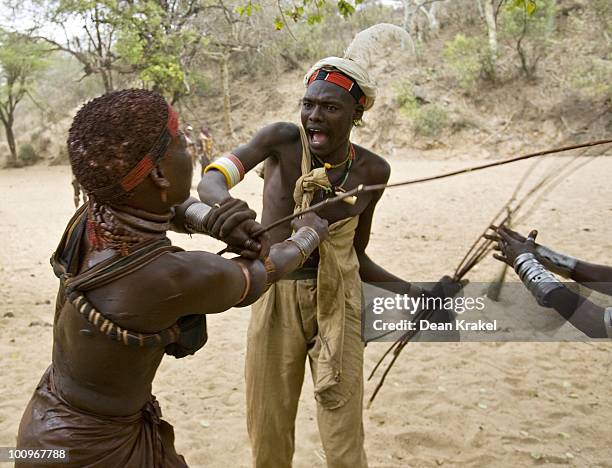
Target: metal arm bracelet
<point>306,240</point>
<point>538,280</point>
<point>196,216</point>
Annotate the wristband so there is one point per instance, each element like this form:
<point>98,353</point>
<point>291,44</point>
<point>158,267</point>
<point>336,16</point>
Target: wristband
<point>539,281</point>
<point>231,167</point>
<point>247,282</point>
<point>196,216</point>
<point>255,280</point>
<point>306,240</point>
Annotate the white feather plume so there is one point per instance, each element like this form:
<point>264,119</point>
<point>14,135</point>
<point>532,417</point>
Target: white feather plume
<point>368,42</point>
<point>356,62</point>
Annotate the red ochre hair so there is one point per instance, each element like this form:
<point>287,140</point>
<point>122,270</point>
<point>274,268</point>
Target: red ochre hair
<point>116,140</point>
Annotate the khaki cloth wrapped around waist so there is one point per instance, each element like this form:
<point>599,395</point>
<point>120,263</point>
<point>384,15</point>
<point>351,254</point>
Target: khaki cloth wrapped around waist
<point>338,287</point>
<point>332,299</point>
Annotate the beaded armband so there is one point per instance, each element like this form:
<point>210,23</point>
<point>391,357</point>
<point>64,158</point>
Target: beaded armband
<point>539,281</point>
<point>231,167</point>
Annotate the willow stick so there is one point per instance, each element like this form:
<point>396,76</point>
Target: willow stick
<point>372,188</point>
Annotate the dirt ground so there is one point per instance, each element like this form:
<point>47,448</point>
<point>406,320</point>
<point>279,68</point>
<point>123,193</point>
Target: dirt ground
<point>468,404</point>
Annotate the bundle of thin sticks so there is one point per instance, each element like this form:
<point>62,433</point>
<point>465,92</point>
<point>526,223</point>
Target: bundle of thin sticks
<point>482,246</point>
<point>553,176</point>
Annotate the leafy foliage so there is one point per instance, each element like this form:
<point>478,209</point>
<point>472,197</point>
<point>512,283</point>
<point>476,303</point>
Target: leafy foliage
<point>312,11</point>
<point>28,155</point>
<point>158,40</point>
<point>603,10</point>
<point>20,62</point>
<point>593,79</point>
<point>150,39</point>
<point>248,9</point>
<point>428,120</point>
<point>530,27</point>
<point>467,58</point>
<point>529,6</point>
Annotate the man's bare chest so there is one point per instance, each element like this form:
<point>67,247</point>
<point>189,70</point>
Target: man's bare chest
<point>280,184</point>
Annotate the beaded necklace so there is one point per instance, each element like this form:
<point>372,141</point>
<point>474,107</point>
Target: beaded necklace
<point>120,229</point>
<point>337,185</point>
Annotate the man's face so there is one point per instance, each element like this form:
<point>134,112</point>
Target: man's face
<point>327,116</point>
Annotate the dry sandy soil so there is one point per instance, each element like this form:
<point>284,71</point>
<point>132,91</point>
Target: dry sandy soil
<point>468,404</point>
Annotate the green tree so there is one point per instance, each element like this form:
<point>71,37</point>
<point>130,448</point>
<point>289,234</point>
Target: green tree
<point>530,25</point>
<point>158,41</point>
<point>228,31</point>
<point>93,45</point>
<point>310,11</point>
<point>20,62</point>
<point>468,58</point>
<point>150,40</point>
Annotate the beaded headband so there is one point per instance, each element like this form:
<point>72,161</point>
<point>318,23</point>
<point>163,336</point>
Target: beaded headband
<point>339,79</point>
<point>144,167</point>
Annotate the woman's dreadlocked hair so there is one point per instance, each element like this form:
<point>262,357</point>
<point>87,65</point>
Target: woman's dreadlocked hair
<point>111,134</point>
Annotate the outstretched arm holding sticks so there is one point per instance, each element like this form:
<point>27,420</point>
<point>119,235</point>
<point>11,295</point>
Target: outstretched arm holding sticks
<point>532,262</point>
<point>483,245</point>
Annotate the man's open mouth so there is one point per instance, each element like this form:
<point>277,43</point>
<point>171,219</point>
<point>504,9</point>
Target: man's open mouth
<point>317,137</point>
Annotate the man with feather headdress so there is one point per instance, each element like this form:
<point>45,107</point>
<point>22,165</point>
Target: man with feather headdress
<point>315,312</point>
